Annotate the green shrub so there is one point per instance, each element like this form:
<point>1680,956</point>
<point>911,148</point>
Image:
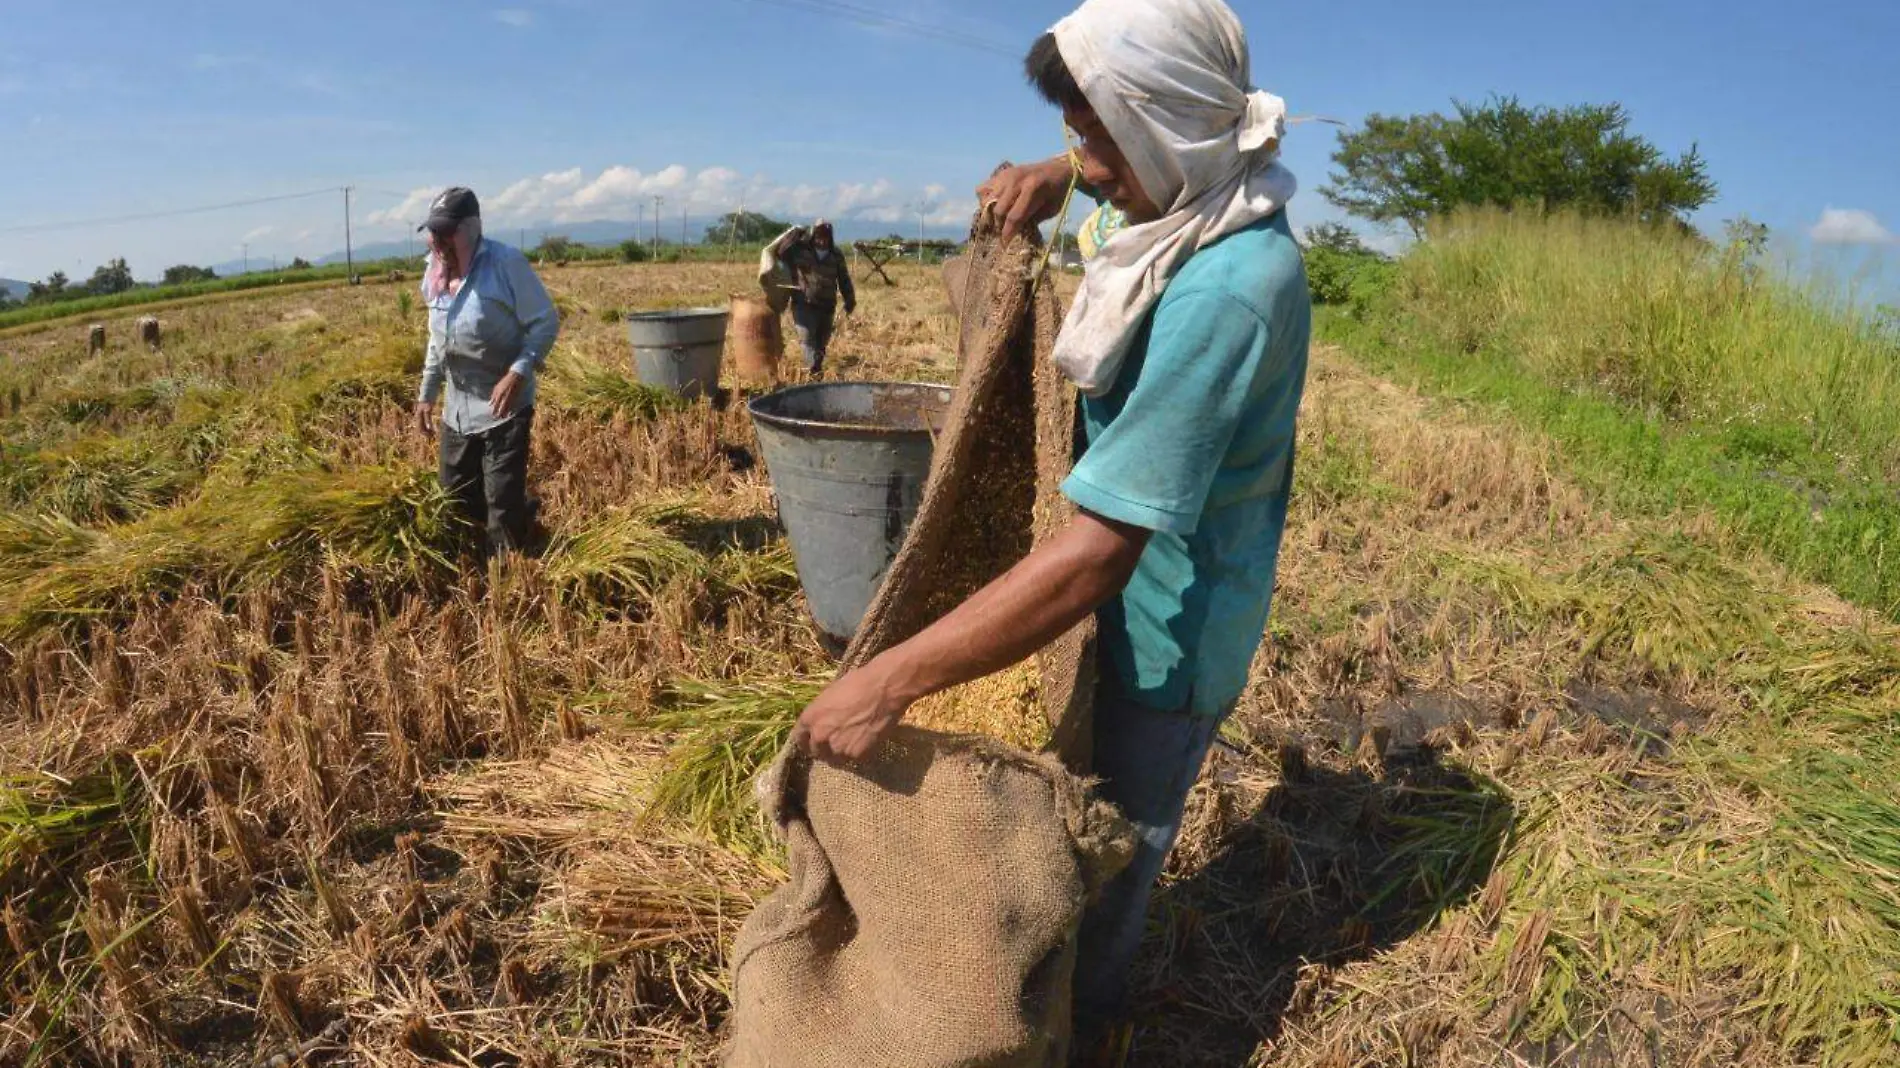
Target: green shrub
<point>632,251</point>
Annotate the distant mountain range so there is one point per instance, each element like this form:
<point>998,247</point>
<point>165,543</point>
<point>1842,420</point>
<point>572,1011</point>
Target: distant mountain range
<point>588,233</point>
<point>13,288</point>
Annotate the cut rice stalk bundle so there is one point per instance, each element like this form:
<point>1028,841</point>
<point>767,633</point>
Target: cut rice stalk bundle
<point>727,733</point>
<point>589,388</point>
<point>622,557</point>
<point>384,524</point>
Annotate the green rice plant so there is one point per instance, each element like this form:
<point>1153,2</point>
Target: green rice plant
<point>1760,863</point>
<point>387,523</point>
<point>93,486</point>
<point>770,573</point>
<point>387,368</point>
<point>383,524</point>
<point>624,556</point>
<point>85,406</point>
<point>725,733</point>
<point>31,542</point>
<point>53,819</point>
<point>591,389</point>
<point>1443,841</point>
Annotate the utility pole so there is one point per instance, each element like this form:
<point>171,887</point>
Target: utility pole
<point>658,203</point>
<point>682,227</point>
<point>732,239</point>
<point>922,208</point>
<point>349,251</point>
<point>246,246</point>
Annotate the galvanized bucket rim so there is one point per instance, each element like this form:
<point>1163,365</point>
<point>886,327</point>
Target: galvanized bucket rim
<point>787,422</point>
<point>678,313</point>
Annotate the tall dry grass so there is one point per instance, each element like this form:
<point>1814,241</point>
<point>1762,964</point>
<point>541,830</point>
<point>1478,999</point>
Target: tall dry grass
<point>1665,322</point>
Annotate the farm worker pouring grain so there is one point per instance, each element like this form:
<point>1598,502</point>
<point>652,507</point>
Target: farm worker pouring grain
<point>491,325</point>
<point>819,276</point>
<point>1188,340</point>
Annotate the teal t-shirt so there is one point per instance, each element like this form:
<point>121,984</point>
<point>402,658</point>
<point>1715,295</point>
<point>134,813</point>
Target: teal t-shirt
<point>1195,443</point>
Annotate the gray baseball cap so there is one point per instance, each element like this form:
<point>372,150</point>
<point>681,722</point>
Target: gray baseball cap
<point>449,209</point>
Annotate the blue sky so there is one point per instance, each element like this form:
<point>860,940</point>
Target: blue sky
<point>577,109</point>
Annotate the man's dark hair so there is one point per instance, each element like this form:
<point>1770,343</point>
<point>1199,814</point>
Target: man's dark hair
<point>1049,73</point>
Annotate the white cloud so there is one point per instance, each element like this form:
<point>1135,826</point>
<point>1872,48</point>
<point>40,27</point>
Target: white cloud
<point>260,233</point>
<point>1850,226</point>
<point>519,18</point>
<point>533,198</point>
<point>410,213</point>
<point>621,192</point>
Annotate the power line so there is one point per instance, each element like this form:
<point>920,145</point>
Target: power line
<point>80,224</point>
<point>869,17</point>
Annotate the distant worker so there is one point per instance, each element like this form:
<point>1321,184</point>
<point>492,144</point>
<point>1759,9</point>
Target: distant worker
<point>491,325</point>
<point>819,276</point>
<point>1188,339</point>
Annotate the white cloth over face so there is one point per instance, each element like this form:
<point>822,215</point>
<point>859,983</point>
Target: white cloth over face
<point>1170,81</point>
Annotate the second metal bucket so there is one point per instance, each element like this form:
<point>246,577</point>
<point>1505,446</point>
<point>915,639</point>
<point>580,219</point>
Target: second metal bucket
<point>848,461</point>
<point>679,351</point>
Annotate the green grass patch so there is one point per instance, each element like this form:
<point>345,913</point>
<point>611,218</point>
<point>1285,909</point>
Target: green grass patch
<point>1672,376</point>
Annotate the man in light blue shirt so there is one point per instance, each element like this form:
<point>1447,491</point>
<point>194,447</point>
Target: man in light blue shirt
<point>491,325</point>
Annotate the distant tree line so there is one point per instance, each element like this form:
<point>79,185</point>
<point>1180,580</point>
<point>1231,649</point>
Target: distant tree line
<point>113,277</point>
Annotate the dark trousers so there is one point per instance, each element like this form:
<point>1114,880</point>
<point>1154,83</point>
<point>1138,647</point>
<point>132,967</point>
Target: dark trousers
<point>814,323</point>
<point>487,474</point>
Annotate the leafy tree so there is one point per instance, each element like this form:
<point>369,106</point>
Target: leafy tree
<point>111,277</point>
<point>1337,237</point>
<point>299,264</point>
<point>632,250</point>
<point>555,247</point>
<point>184,274</point>
<point>1506,154</point>
<point>54,288</point>
<point>744,228</point>
<point>1745,236</point>
<point>1341,268</point>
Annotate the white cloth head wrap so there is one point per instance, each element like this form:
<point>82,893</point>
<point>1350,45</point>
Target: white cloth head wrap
<point>1169,79</point>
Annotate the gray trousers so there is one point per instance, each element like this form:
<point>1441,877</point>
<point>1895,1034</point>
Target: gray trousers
<point>1148,759</point>
<point>487,474</point>
<point>814,323</point>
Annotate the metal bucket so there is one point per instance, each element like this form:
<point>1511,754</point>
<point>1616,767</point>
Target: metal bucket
<point>679,351</point>
<point>848,461</point>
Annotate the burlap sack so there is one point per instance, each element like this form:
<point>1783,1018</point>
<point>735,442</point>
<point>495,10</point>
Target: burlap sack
<point>757,341</point>
<point>995,477</point>
<point>935,890</point>
<point>930,918</point>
